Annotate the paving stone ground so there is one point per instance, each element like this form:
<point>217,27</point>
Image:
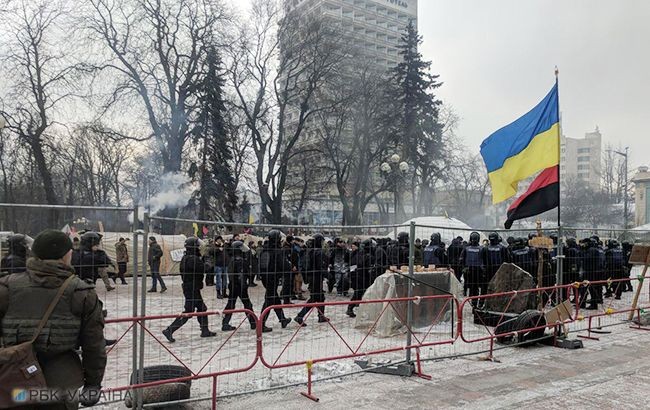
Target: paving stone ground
<point>613,373</point>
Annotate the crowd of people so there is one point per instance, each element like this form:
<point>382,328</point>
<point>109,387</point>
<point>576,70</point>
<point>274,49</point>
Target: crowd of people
<point>284,264</point>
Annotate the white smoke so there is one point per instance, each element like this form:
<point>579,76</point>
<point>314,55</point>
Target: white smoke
<point>175,191</point>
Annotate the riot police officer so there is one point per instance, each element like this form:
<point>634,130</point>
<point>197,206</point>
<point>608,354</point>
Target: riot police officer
<point>363,261</point>
<point>434,254</point>
<point>399,253</point>
<point>238,271</point>
<point>316,271</point>
<point>571,270</point>
<point>193,269</point>
<point>524,257</point>
<point>473,269</point>
<point>494,255</point>
<point>273,265</point>
<point>16,259</point>
<point>592,269</point>
<point>615,267</point>
<point>453,255</point>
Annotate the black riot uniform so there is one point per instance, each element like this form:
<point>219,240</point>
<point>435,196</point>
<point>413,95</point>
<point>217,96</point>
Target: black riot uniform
<point>627,252</point>
<point>86,261</point>
<point>571,263</point>
<point>473,269</point>
<point>453,254</point>
<point>16,259</point>
<point>193,269</point>
<point>238,271</point>
<point>593,270</point>
<point>615,268</point>
<point>363,263</point>
<point>399,253</point>
<point>273,265</point>
<point>525,257</point>
<point>494,255</point>
<point>315,270</point>
<point>434,253</point>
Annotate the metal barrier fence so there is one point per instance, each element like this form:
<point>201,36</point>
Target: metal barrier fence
<point>136,317</point>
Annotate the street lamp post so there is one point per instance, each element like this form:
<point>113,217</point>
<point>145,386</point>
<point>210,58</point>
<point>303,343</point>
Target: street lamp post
<point>625,187</point>
<point>394,171</point>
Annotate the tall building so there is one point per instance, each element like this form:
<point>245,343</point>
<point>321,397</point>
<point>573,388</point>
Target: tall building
<point>375,26</point>
<point>374,29</point>
<point>581,159</point>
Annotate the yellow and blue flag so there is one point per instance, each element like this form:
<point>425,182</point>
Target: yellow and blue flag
<point>519,150</point>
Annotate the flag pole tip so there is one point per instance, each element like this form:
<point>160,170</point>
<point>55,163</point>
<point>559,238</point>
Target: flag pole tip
<point>557,71</point>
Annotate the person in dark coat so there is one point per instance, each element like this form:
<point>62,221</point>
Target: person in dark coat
<point>193,269</point>
<point>591,265</point>
<point>434,253</point>
<point>453,255</point>
<point>362,264</point>
<point>71,349</point>
<point>89,259</point>
<point>473,267</point>
<point>340,265</point>
<point>273,265</point>
<point>154,258</point>
<point>494,255</point>
<point>316,270</point>
<point>16,259</point>
<point>238,270</point>
<point>399,252</point>
<point>615,268</point>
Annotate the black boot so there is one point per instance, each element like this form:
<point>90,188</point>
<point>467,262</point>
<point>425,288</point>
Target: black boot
<point>168,335</point>
<point>350,311</point>
<point>266,329</point>
<point>300,321</point>
<point>205,332</point>
<point>227,328</point>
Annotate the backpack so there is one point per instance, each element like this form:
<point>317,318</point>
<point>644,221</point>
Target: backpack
<point>20,370</point>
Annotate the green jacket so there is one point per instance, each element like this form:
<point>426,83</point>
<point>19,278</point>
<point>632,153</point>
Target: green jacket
<point>77,322</point>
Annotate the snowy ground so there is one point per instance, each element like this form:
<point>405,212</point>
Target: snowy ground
<point>237,350</point>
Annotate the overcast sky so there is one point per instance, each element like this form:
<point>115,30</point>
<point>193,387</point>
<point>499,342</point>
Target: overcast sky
<point>497,57</point>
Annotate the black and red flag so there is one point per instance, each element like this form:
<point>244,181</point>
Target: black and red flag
<point>542,195</point>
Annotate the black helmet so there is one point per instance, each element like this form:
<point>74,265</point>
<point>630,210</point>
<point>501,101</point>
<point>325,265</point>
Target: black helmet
<point>474,238</point>
<point>17,244</point>
<point>519,243</point>
<point>435,238</point>
<point>403,238</point>
<point>318,240</point>
<point>90,239</point>
<point>612,244</point>
<point>571,243</point>
<point>367,244</point>
<point>510,240</point>
<point>494,238</point>
<point>275,237</point>
<point>192,243</point>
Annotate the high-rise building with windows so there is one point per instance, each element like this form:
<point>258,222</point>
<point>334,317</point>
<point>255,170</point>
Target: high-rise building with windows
<point>374,29</point>
<point>375,26</point>
<point>581,159</point>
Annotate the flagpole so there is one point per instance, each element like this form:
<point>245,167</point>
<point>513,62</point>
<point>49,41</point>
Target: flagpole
<point>559,150</point>
<point>559,277</point>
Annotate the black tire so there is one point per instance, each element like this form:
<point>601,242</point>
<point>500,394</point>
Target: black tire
<point>527,320</point>
<point>161,394</point>
<point>163,372</point>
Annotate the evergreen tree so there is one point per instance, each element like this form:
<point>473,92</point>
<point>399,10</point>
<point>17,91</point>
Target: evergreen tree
<point>216,193</point>
<point>418,133</point>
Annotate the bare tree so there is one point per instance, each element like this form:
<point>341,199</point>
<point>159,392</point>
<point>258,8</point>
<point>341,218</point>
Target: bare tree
<point>355,138</point>
<point>40,77</point>
<point>278,66</point>
<point>156,48</point>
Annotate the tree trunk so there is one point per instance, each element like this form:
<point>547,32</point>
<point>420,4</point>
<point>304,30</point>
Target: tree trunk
<point>46,176</point>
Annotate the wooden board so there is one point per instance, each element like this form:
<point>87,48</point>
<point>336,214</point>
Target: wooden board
<point>541,242</point>
<point>640,255</point>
